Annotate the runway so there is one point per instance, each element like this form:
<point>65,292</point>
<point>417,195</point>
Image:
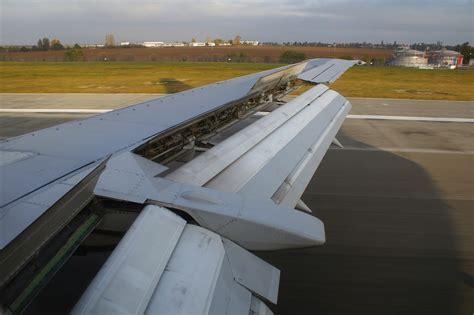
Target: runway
<point>397,202</point>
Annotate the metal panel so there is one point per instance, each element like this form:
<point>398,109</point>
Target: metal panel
<point>67,147</point>
<point>61,150</point>
<point>325,70</point>
<point>274,172</point>
<point>254,223</point>
<point>252,272</point>
<point>294,185</point>
<point>188,282</point>
<point>229,298</point>
<point>312,73</point>
<point>24,247</point>
<point>260,171</point>
<point>211,163</point>
<point>204,273</point>
<point>8,157</point>
<point>20,178</point>
<point>257,307</point>
<point>136,185</point>
<point>127,281</point>
<point>16,216</point>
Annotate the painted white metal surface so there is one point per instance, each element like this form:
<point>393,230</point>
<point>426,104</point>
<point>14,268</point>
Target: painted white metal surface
<point>165,266</point>
<point>294,185</point>
<point>187,285</point>
<point>254,223</point>
<point>252,272</point>
<point>7,157</point>
<point>257,307</point>
<point>128,279</point>
<point>258,160</point>
<point>325,70</point>
<point>229,296</point>
<point>208,165</point>
<point>262,169</point>
<point>127,174</point>
<point>64,149</point>
<point>20,215</point>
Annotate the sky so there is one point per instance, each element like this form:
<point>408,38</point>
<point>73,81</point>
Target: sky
<point>88,21</point>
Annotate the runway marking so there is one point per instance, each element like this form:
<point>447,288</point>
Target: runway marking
<point>407,99</point>
<point>412,118</point>
<point>405,150</point>
<point>54,110</point>
<point>100,111</point>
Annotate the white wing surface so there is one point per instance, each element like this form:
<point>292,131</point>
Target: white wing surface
<point>210,173</point>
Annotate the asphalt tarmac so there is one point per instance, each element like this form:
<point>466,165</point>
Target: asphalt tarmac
<point>397,202</point>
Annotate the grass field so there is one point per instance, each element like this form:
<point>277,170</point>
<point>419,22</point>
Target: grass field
<point>391,82</point>
<point>138,77</point>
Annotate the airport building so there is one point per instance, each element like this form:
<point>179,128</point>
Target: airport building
<point>250,42</point>
<point>445,58</point>
<point>409,58</point>
<point>173,45</point>
<point>197,44</point>
<point>153,44</point>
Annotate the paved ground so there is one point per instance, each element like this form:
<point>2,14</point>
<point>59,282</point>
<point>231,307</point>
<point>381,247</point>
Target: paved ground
<point>398,205</point>
<point>13,124</point>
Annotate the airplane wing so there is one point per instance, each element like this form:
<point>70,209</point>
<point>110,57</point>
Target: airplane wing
<point>208,173</point>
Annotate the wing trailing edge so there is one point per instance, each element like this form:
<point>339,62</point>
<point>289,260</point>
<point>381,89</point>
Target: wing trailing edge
<point>165,266</point>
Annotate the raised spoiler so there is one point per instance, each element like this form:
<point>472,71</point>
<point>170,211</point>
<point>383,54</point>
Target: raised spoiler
<point>240,193</point>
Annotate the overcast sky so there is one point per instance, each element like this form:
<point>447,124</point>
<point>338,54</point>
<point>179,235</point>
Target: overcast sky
<point>88,21</point>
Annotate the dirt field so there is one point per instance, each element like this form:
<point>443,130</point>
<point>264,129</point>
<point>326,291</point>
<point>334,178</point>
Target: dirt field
<point>259,54</point>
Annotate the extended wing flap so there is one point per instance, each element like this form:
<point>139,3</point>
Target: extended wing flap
<point>165,266</point>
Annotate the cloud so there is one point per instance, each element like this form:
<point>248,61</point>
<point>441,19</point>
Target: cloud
<point>86,21</point>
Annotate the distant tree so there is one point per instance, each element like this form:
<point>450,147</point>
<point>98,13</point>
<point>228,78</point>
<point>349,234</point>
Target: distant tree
<point>291,56</point>
<point>56,45</point>
<point>109,40</point>
<point>39,45</point>
<point>208,39</point>
<point>77,46</point>
<point>466,50</point>
<point>218,41</point>
<point>74,55</point>
<point>45,43</point>
<point>193,40</point>
<point>23,49</point>
<point>236,40</point>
